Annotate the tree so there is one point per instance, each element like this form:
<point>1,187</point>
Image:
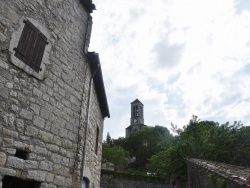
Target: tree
<point>116,155</point>
<point>109,140</point>
<point>204,140</point>
<point>145,143</point>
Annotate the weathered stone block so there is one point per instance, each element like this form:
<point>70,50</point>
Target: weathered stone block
<point>20,125</point>
<point>52,147</point>
<point>57,169</point>
<point>59,180</point>
<point>15,162</point>
<point>4,92</point>
<point>67,144</point>
<point>13,93</point>
<point>35,108</point>
<point>31,131</point>
<point>23,146</point>
<point>5,74</point>
<point>46,97</point>
<point>41,151</point>
<point>7,142</point>
<point>9,13</point>
<point>50,177</point>
<point>11,151</point>
<point>37,92</point>
<point>45,165</point>
<point>7,171</point>
<point>56,158</point>
<point>45,113</point>
<point>36,175</point>
<point>68,181</point>
<point>10,133</point>
<point>14,108</point>
<point>51,186</point>
<point>30,165</point>
<point>46,137</point>
<point>4,65</point>
<point>3,157</point>
<point>57,140</point>
<point>38,121</point>
<point>26,114</point>
<point>44,185</point>
<point>22,98</point>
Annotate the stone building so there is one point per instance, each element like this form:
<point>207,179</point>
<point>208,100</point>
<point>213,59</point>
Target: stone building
<point>52,95</point>
<point>137,118</point>
<point>209,174</point>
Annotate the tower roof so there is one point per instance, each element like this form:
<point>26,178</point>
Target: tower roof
<point>136,101</point>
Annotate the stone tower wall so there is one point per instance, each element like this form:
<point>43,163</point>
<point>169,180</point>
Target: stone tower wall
<point>44,114</point>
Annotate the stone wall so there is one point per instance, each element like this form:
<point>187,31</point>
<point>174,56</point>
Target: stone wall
<point>199,172</point>
<point>44,114</point>
<point>108,181</point>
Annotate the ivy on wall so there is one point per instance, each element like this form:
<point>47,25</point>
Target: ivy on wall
<point>217,181</point>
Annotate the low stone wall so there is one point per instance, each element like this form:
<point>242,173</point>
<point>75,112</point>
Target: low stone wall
<point>109,181</point>
<point>207,174</point>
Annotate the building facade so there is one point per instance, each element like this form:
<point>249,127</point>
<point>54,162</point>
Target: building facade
<point>137,118</point>
<point>52,95</point>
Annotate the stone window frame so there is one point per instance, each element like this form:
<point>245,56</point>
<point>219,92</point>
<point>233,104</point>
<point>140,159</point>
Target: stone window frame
<point>15,37</point>
<point>31,46</point>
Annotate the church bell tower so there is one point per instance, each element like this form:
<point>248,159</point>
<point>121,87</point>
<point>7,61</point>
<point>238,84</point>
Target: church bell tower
<point>136,113</point>
<point>137,118</point>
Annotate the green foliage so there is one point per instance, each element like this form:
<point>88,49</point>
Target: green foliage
<point>216,181</point>
<point>116,155</point>
<point>204,140</point>
<point>134,176</point>
<point>159,151</point>
<point>147,142</point>
<point>109,140</point>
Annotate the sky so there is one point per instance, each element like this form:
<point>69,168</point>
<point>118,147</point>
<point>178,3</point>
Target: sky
<point>178,57</point>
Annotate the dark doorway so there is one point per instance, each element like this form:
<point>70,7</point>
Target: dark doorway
<point>13,182</point>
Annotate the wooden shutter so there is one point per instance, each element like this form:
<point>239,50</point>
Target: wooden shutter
<point>31,46</point>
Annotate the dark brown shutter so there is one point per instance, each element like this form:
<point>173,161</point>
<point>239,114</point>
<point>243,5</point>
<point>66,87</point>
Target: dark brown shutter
<point>38,50</point>
<point>21,47</point>
<point>31,46</point>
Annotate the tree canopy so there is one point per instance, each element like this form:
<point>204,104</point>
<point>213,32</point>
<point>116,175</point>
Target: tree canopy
<point>157,150</point>
<point>204,140</point>
<point>116,155</point>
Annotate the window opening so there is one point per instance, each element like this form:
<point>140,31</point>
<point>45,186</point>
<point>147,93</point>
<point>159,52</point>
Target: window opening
<point>21,154</point>
<point>13,182</point>
<point>134,111</point>
<point>85,182</point>
<point>31,46</point>
<point>97,140</point>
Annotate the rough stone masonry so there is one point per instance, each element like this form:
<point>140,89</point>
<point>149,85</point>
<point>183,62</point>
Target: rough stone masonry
<point>43,114</point>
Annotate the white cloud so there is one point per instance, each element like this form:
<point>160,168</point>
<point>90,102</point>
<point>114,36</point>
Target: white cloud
<point>178,57</point>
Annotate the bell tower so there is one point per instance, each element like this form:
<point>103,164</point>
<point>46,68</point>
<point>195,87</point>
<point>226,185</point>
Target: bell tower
<point>136,119</point>
<point>136,113</point>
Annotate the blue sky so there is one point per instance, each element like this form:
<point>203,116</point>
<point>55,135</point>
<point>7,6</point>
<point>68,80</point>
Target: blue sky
<point>177,57</point>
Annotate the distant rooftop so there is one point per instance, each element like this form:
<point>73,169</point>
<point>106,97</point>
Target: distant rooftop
<point>235,173</point>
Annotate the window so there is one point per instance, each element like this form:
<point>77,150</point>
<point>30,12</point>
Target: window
<point>21,154</point>
<point>97,140</point>
<point>85,182</point>
<point>11,182</point>
<point>31,46</point>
